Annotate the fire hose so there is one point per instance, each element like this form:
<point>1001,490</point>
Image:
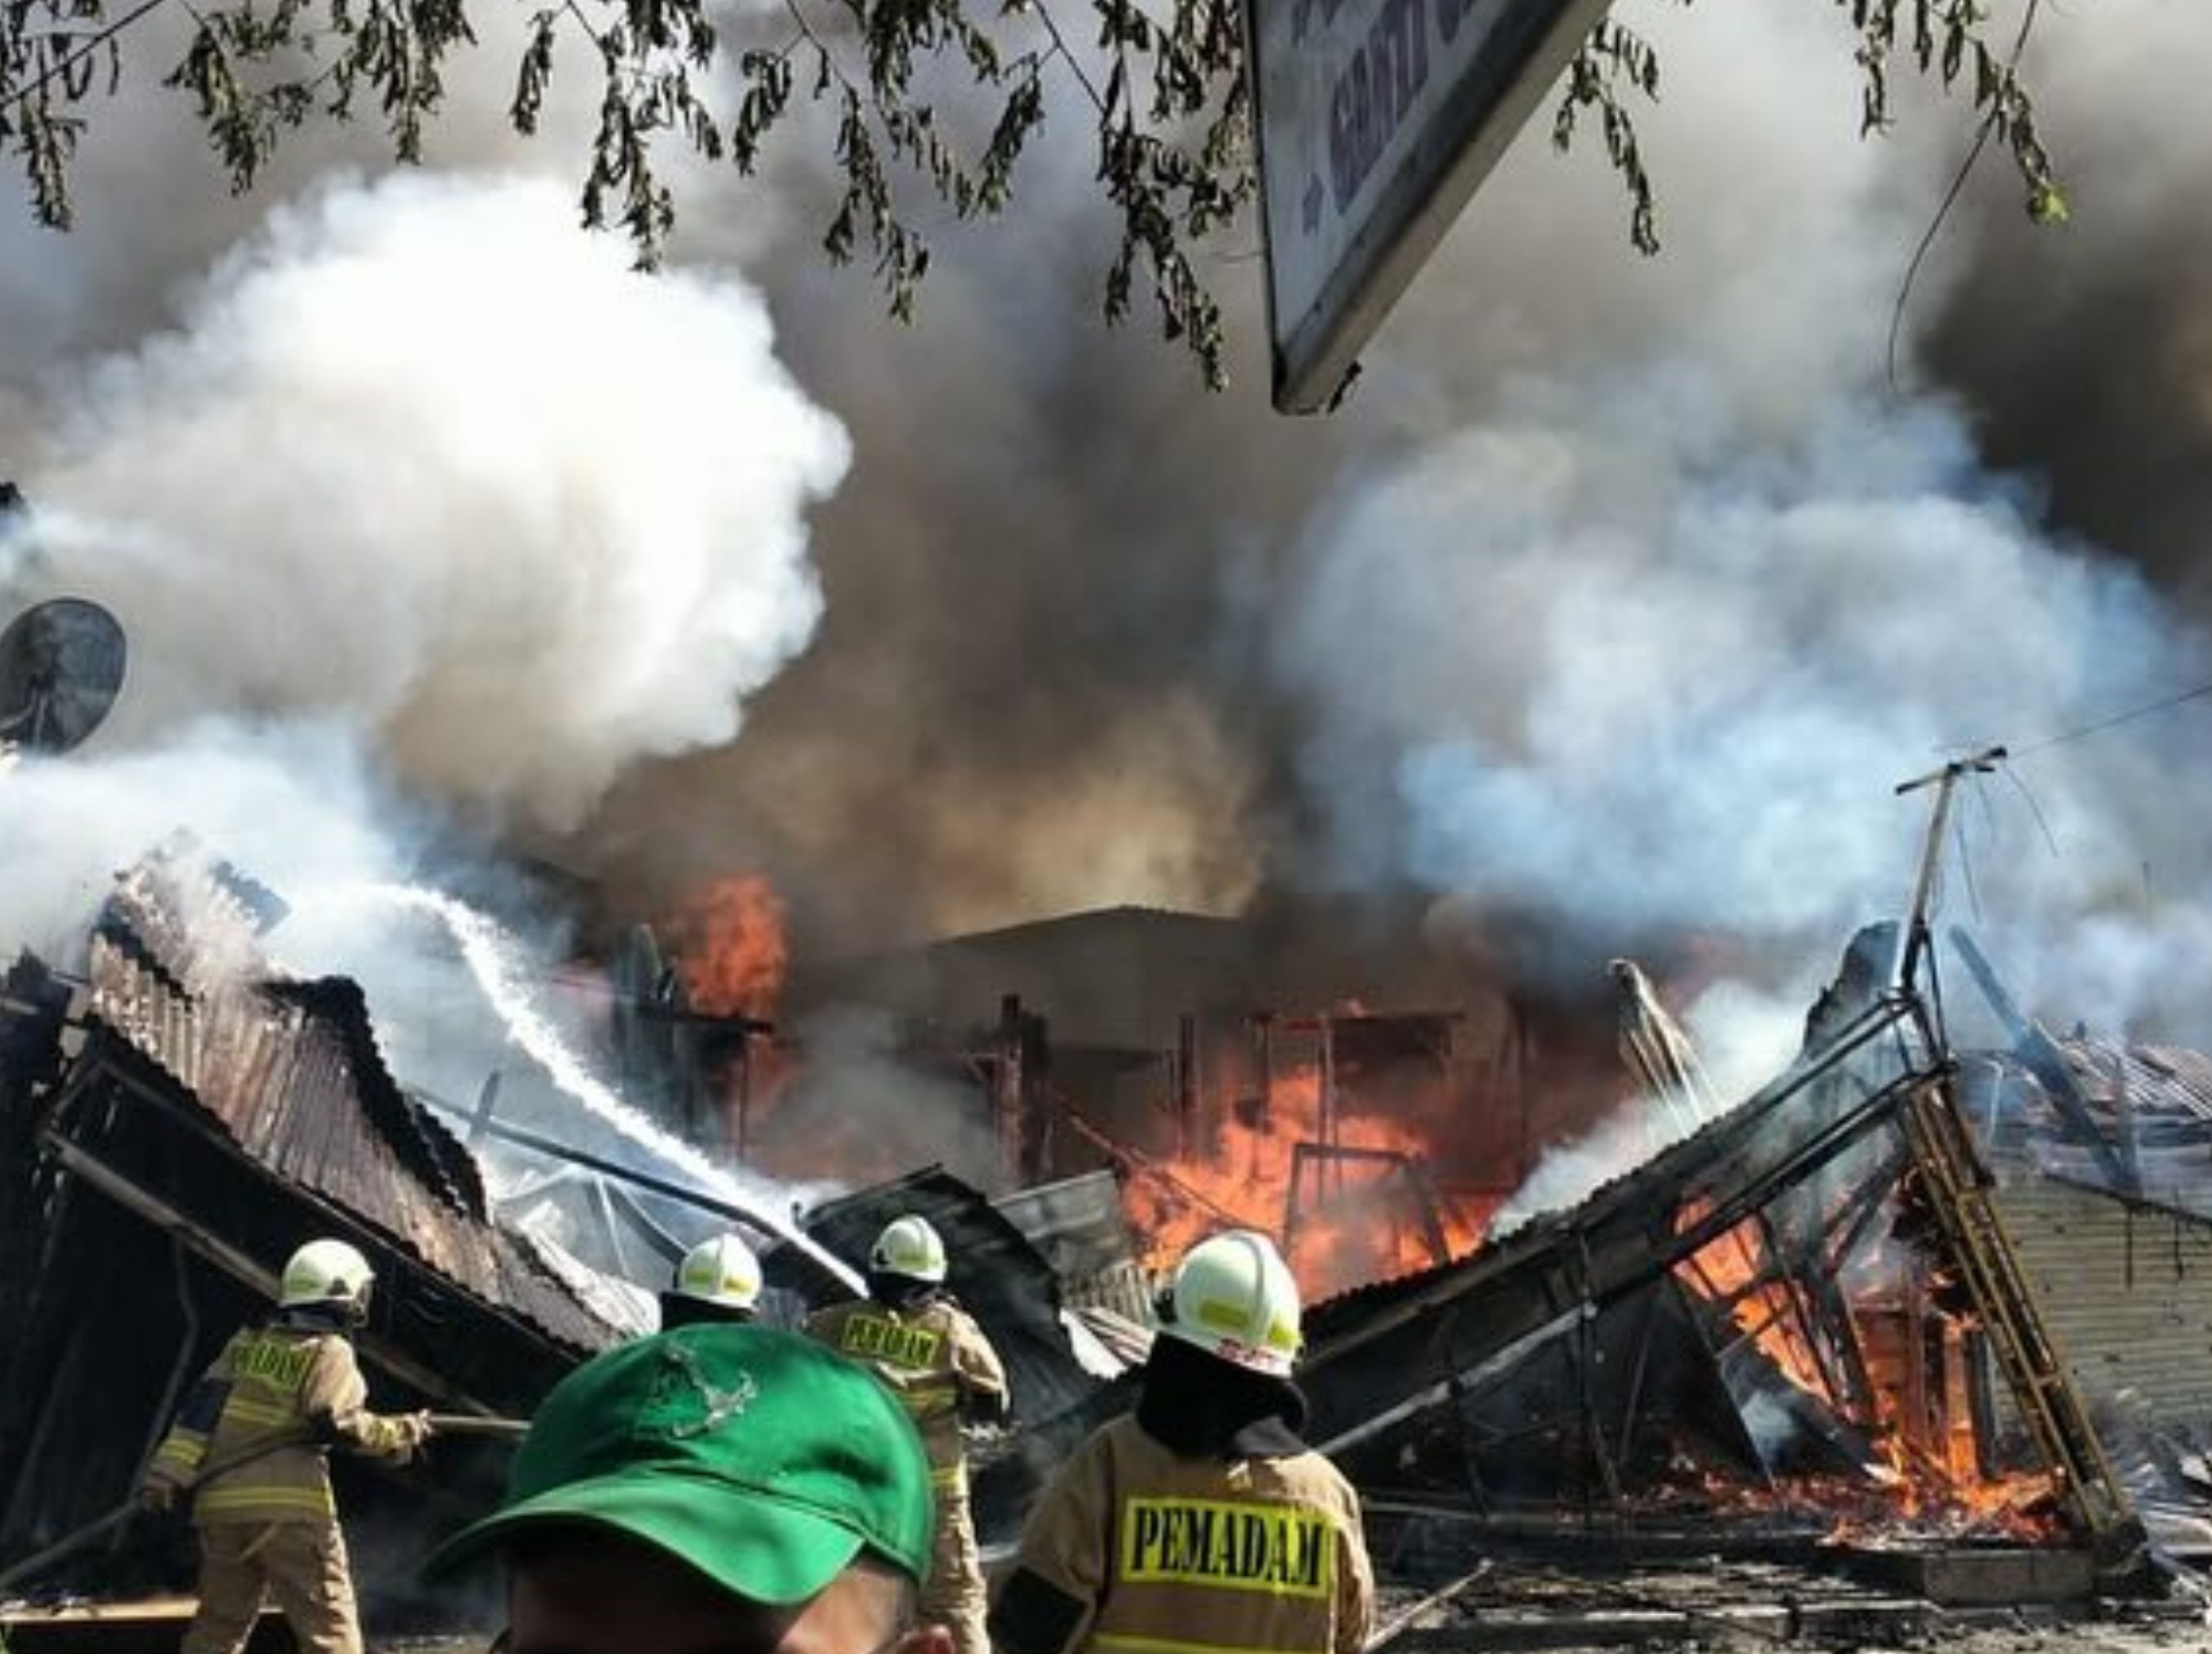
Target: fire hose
<point>441,1423</point>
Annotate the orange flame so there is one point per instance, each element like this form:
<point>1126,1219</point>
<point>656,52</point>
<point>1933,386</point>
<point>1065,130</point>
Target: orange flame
<point>734,957</point>
<point>1938,1485</point>
<point>1724,1269</point>
<point>1356,1220</point>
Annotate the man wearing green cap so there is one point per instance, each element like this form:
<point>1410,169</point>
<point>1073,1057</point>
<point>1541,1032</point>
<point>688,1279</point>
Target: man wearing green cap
<point>714,1490</point>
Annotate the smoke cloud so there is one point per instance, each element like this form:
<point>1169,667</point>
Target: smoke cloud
<point>2086,356</point>
<point>423,459</point>
<point>427,520</point>
<point>1618,597</point>
<point>1664,592</point>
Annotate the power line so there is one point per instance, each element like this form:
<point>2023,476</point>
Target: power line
<point>1951,197</point>
<point>2067,736</point>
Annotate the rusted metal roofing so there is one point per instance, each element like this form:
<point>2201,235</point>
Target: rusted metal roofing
<point>289,1071</point>
<point>2134,1120</point>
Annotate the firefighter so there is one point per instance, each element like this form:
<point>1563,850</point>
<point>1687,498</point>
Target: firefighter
<point>1200,1524</point>
<point>278,1397</point>
<point>944,1372</point>
<point>718,1280</point>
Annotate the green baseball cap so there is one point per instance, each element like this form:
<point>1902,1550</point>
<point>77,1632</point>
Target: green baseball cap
<point>757,1456</point>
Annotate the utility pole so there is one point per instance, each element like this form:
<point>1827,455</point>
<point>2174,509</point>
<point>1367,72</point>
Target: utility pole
<point>1956,1185</point>
<point>1914,942</point>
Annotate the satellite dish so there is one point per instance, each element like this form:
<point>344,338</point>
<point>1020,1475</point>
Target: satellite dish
<point>61,666</point>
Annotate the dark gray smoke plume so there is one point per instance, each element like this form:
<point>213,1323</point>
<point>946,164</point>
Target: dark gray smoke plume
<point>2085,356</point>
<point>1612,604</point>
<point>1608,611</point>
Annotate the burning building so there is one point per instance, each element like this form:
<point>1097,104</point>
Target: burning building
<point>1799,1315</point>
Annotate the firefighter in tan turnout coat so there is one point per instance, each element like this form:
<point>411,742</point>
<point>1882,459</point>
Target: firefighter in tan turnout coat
<point>944,1372</point>
<point>1202,1523</point>
<point>276,1400</point>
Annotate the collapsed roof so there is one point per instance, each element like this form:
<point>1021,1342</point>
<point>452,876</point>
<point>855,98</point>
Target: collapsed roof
<point>217,1112</point>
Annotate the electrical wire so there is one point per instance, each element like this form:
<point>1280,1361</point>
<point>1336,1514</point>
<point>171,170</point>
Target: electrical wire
<point>25,93</point>
<point>2066,738</point>
<point>1951,197</point>
<point>2034,807</point>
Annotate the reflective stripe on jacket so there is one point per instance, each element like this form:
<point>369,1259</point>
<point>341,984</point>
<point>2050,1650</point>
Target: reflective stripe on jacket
<point>935,1358</point>
<point>1154,1553</point>
<point>277,1381</point>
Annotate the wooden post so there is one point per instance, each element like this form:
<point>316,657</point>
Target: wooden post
<point>1006,1090</point>
<point>1263,1066</point>
<point>1334,1173</point>
<point>743,1131</point>
<point>487,1104</point>
<point>1188,1144</point>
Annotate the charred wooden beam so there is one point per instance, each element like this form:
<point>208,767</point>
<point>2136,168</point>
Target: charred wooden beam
<point>106,1180</point>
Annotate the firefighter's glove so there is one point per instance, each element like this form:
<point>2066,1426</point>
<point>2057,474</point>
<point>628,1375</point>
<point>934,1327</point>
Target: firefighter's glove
<point>415,1430</point>
<point>159,1495</point>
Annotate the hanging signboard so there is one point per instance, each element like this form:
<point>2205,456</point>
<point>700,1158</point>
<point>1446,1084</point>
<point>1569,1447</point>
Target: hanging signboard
<point>1378,119</point>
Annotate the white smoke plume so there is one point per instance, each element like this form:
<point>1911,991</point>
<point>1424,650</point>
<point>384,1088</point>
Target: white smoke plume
<point>1663,588</point>
<point>428,511</point>
<point>1568,1173</point>
<point>425,460</point>
<point>297,805</point>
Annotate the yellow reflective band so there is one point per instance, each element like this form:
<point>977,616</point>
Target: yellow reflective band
<point>246,1411</point>
<point>1276,1548</point>
<point>256,1498</point>
<point>184,1449</point>
<point>1235,1321</point>
<point>1173,1646</point>
<point>886,1341</point>
<point>948,1476</point>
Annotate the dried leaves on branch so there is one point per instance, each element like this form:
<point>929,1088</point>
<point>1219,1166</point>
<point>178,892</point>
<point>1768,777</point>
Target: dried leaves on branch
<point>928,106</point>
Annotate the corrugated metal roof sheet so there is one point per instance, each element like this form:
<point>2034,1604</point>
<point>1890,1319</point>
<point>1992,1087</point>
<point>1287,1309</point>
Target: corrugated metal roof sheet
<point>1078,1222</point>
<point>289,1070</point>
<point>2158,1097</point>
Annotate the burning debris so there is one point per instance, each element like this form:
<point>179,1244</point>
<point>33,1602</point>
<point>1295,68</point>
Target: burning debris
<point>1792,1315</point>
<point>1800,1315</point>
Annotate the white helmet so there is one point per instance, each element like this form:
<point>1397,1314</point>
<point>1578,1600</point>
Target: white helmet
<point>327,1272</point>
<point>1235,1298</point>
<point>721,1272</point>
<point>911,1248</point>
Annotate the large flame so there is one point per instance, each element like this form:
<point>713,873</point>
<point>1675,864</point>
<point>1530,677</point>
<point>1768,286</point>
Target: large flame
<point>1353,1220</point>
<point>734,956</point>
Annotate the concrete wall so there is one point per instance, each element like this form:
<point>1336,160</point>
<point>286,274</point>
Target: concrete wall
<point>2126,1292</point>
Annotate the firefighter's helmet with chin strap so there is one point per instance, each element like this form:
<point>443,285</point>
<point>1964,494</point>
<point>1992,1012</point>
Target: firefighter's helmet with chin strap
<point>327,1274</point>
<point>722,1272</point>
<point>911,1248</point>
<point>1235,1298</point>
